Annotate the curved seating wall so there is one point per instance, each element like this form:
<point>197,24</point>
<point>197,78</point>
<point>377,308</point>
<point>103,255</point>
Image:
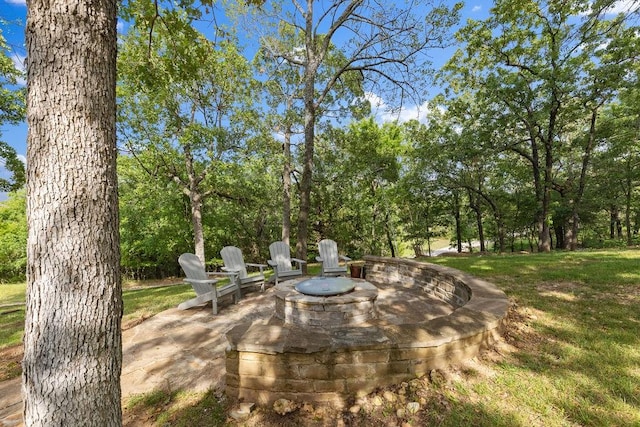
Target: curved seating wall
<point>266,362</point>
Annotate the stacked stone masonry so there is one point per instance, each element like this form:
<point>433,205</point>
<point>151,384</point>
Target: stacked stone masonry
<point>266,362</point>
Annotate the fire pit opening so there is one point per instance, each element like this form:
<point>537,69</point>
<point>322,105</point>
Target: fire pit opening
<point>325,286</point>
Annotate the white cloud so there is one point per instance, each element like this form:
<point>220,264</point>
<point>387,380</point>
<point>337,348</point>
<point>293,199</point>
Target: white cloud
<point>383,112</point>
<point>17,2</point>
<point>622,6</point>
<point>476,9</point>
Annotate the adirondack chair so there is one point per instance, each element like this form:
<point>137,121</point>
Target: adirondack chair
<point>328,256</point>
<point>281,262</point>
<point>234,263</point>
<point>203,285</point>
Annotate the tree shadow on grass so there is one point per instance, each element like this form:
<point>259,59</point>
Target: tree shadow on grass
<point>588,351</point>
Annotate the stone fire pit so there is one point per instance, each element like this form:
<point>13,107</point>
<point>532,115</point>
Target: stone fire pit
<point>327,302</point>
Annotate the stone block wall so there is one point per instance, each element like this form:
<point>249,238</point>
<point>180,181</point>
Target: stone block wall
<point>268,362</point>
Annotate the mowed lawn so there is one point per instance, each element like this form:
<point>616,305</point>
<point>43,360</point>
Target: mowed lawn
<point>570,354</point>
<point>573,353</point>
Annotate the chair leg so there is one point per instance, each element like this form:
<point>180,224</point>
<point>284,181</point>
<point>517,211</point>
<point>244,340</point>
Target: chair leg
<point>214,306</point>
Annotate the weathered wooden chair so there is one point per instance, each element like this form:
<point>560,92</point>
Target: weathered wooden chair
<point>203,285</point>
<point>328,256</point>
<point>234,263</point>
<point>281,261</point>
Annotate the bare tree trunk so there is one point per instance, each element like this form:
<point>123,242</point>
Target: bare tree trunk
<point>387,230</point>
<point>192,190</point>
<point>572,242</point>
<point>474,204</point>
<point>309,141</point>
<point>286,188</point>
<point>544,229</point>
<point>456,214</point>
<point>195,199</point>
<point>72,343</point>
<point>613,218</point>
<point>305,187</point>
<point>627,214</point>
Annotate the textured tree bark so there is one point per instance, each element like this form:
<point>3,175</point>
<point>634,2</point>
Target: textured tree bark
<point>72,343</point>
<point>286,187</point>
<point>307,170</point>
<point>192,190</point>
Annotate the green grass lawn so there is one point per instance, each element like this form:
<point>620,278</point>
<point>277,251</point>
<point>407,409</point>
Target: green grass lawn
<point>570,356</point>
<point>575,338</point>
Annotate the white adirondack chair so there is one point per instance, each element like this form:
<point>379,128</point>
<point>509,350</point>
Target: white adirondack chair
<point>328,256</point>
<point>234,263</point>
<point>281,262</point>
<point>203,285</point>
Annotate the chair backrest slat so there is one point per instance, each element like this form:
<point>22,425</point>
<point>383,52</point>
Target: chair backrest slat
<point>328,250</point>
<point>280,254</point>
<point>194,269</point>
<point>233,260</point>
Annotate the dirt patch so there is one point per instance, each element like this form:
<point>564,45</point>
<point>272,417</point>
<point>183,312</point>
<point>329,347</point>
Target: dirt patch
<point>134,322</point>
<point>567,291</point>
<point>11,362</point>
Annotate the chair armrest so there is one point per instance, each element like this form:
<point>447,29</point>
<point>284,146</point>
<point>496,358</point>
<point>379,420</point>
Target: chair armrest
<point>319,259</point>
<point>299,261</point>
<point>260,266</point>
<point>227,269</point>
<point>345,258</point>
<point>272,263</point>
<point>230,273</point>
<point>201,281</point>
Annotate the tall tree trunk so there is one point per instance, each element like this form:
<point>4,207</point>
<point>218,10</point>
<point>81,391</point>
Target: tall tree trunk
<point>619,228</point>
<point>572,239</point>
<point>428,230</point>
<point>387,230</point>
<point>628,194</point>
<point>195,201</point>
<point>501,231</point>
<point>558,231</point>
<point>474,204</point>
<point>72,342</point>
<point>544,229</point>
<point>309,140</point>
<point>305,185</point>
<point>541,187</point>
<point>286,187</point>
<point>613,218</point>
<point>456,214</point>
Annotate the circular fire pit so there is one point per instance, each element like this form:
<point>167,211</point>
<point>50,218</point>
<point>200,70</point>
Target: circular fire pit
<point>326,302</point>
<point>325,286</point>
